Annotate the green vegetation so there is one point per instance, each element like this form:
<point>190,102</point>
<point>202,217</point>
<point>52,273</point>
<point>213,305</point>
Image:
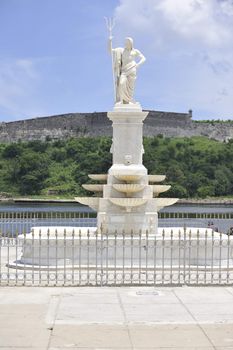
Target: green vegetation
<point>214,121</point>
<point>195,167</point>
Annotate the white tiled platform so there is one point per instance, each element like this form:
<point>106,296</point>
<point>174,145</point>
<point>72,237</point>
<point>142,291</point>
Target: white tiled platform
<point>184,318</point>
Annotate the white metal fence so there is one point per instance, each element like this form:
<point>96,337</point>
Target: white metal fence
<point>18,222</point>
<point>80,257</point>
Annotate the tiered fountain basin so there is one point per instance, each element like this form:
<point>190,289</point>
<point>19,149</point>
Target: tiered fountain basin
<point>129,199</point>
<point>104,177</point>
<point>93,188</point>
<point>160,203</point>
<point>74,247</point>
<point>98,177</point>
<point>92,202</point>
<point>128,178</point>
<point>128,203</point>
<point>157,189</point>
<point>156,178</point>
<point>128,189</point>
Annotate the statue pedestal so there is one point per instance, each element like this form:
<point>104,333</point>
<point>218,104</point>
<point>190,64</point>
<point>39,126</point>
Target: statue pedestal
<point>127,147</point>
<point>130,206</point>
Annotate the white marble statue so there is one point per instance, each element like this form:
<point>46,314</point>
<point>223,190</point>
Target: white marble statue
<point>125,63</point>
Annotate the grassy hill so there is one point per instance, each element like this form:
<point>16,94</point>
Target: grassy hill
<point>195,167</point>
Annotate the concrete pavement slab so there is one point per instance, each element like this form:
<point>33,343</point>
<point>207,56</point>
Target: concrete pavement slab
<point>86,314</point>
<point>23,348</point>
<point>201,295</point>
<point>23,326</point>
<point>160,348</point>
<point>218,309</point>
<point>21,295</point>
<point>215,319</point>
<point>178,348</point>
<point>173,336</point>
<point>220,335</point>
<point>91,336</point>
<point>88,290</point>
<point>136,318</point>
<point>89,299</point>
<point>157,313</point>
<point>84,348</point>
<point>211,313</point>
<point>62,348</point>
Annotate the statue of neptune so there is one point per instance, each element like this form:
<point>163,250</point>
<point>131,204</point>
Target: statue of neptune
<point>125,70</point>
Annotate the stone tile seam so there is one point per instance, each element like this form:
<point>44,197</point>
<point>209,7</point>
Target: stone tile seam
<point>125,319</point>
<point>56,303</point>
<point>198,324</point>
<point>146,323</point>
<point>229,291</point>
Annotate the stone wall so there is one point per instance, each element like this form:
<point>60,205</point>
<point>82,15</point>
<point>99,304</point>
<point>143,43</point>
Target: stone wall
<point>97,124</point>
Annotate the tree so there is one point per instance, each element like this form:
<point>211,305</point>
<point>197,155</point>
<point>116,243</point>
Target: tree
<point>223,182</point>
<point>206,191</point>
<point>58,154</point>
<point>175,174</point>
<point>177,191</point>
<point>193,182</point>
<point>12,150</point>
<point>30,184</point>
<point>32,172</point>
<point>38,146</point>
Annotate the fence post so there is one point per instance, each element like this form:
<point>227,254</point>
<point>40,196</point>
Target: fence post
<point>0,258</point>
<point>184,253</point>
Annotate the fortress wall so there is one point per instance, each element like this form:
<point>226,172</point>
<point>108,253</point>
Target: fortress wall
<point>97,124</point>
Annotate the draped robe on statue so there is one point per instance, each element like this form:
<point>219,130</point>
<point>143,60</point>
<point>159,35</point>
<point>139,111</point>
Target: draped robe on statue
<point>125,75</point>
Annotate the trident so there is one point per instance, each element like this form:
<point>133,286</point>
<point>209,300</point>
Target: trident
<point>110,23</point>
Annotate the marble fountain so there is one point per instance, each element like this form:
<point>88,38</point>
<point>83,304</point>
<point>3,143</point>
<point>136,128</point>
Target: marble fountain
<point>127,203</point>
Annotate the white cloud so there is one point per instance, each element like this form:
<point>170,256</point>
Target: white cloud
<point>196,19</point>
<point>206,22</point>
<point>194,35</point>
<point>226,7</point>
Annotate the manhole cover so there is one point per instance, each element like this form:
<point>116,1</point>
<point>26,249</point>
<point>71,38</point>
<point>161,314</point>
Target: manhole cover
<point>144,292</point>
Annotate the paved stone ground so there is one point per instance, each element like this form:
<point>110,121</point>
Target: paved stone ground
<point>184,318</point>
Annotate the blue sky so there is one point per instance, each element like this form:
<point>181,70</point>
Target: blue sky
<point>53,56</point>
